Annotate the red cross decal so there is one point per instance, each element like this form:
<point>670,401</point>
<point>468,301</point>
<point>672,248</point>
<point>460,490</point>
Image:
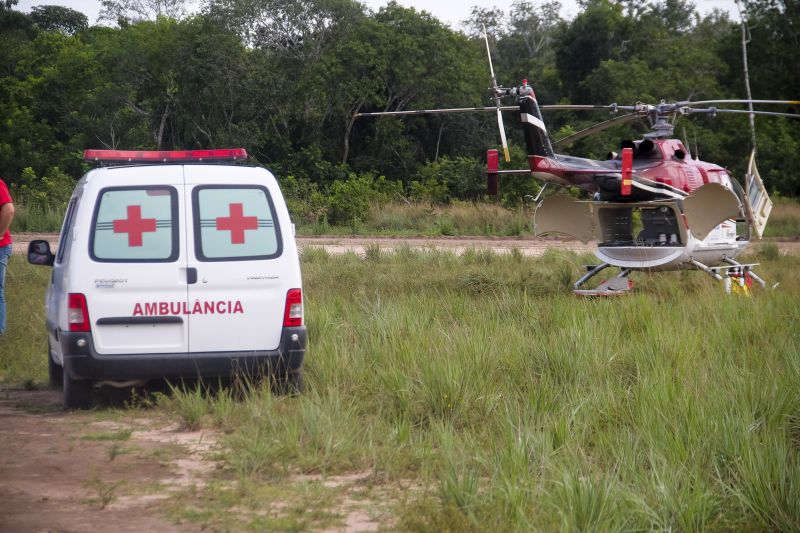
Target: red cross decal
<point>135,225</point>
<point>236,223</point>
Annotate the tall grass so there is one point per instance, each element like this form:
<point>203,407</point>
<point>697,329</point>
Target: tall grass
<point>511,404</point>
<point>23,348</point>
<point>784,220</point>
<point>458,218</point>
<point>491,219</point>
<point>36,219</point>
<point>421,218</point>
<point>516,405</point>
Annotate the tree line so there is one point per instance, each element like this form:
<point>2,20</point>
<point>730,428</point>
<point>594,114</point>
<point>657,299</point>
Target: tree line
<point>284,79</point>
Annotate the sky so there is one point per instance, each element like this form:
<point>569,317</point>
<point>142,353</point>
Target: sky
<point>451,12</point>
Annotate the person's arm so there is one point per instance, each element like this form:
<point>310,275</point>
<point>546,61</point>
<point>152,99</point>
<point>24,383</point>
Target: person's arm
<point>6,216</point>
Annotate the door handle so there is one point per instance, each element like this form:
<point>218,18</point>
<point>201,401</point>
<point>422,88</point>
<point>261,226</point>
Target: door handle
<point>191,275</point>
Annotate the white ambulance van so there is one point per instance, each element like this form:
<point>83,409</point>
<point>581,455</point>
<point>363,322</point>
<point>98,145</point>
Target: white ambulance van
<point>173,265</point>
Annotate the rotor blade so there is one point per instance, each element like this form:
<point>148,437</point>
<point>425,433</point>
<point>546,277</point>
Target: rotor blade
<point>503,135</point>
<point>437,111</point>
<point>489,53</point>
<point>777,102</point>
<point>498,106</point>
<point>582,107</point>
<point>566,141</point>
<point>745,111</point>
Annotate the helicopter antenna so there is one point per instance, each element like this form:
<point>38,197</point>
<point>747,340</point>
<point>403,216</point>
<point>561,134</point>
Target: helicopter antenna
<point>686,141</point>
<point>496,94</point>
<point>746,39</point>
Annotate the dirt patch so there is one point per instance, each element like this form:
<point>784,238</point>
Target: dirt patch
<point>456,245</point>
<point>124,470</point>
<point>73,472</point>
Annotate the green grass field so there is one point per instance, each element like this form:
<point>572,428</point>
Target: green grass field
<point>477,393</point>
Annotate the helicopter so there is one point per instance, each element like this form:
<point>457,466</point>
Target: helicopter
<point>654,207</point>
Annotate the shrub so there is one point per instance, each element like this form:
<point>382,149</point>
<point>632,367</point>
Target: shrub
<point>306,203</point>
<point>444,179</point>
<point>50,192</point>
<point>349,200</point>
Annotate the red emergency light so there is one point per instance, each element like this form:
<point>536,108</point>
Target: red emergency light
<point>162,156</point>
<point>627,172</point>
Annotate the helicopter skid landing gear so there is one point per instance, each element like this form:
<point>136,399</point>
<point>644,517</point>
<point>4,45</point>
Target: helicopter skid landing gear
<point>616,286</point>
<point>736,278</point>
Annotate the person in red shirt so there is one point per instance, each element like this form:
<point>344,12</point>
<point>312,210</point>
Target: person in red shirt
<point>6,215</point>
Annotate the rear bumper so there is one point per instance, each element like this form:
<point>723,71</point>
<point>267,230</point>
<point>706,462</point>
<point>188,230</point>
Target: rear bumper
<point>81,361</point>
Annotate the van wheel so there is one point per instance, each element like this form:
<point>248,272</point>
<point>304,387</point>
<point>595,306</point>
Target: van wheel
<point>54,371</point>
<point>289,383</point>
<point>77,392</point>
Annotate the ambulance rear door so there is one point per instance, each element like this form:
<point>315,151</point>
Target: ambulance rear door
<point>135,276</point>
<point>236,301</point>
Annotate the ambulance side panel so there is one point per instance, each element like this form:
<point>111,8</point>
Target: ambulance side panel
<point>55,295</point>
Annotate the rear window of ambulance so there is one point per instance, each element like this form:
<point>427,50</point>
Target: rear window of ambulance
<point>235,223</point>
<point>135,224</point>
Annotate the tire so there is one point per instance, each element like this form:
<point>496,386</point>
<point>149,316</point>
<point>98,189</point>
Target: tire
<point>77,392</point>
<point>55,372</point>
<point>289,383</point>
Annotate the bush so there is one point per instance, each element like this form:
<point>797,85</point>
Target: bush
<point>306,203</point>
<point>50,192</point>
<point>349,200</point>
<point>445,179</point>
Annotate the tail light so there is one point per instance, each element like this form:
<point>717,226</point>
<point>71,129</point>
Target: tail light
<point>77,312</point>
<point>293,315</point>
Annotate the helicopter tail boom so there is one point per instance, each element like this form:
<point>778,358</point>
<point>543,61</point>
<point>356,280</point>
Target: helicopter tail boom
<point>536,139</point>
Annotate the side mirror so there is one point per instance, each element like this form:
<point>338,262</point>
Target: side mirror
<point>39,253</point>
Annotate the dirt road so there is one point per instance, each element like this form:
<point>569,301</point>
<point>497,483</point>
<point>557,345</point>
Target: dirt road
<point>84,471</point>
<point>132,470</point>
<point>338,245</point>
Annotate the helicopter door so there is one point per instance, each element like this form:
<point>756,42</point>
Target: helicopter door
<point>709,206</point>
<point>562,214</point>
<point>759,205</point>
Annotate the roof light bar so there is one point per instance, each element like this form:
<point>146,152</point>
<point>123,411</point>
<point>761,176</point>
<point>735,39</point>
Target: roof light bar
<point>173,156</point>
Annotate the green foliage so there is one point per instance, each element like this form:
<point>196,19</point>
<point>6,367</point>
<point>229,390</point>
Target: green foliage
<point>51,191</point>
<point>286,79</point>
<point>307,205</point>
<point>59,18</point>
<point>445,179</point>
<point>350,199</point>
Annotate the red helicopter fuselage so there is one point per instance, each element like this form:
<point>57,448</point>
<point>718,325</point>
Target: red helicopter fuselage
<point>661,169</point>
